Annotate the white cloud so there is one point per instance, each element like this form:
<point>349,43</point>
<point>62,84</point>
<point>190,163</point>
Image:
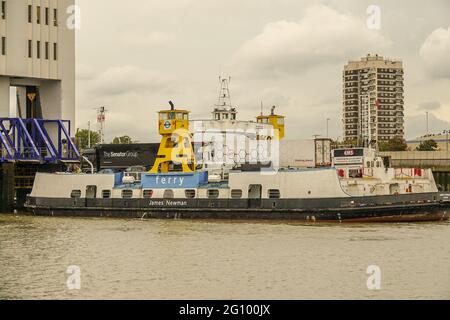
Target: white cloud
<point>84,72</point>
<point>128,79</point>
<point>323,35</point>
<point>186,45</point>
<point>416,126</point>
<point>435,53</point>
<point>132,96</point>
<point>150,40</point>
<point>430,105</point>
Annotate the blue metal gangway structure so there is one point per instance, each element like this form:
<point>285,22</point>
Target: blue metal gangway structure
<point>30,140</point>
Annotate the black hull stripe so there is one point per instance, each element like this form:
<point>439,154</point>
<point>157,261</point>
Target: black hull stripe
<point>394,215</point>
<point>291,209</point>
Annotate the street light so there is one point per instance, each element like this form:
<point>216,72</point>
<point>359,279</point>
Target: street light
<point>89,134</point>
<point>328,121</point>
<point>447,132</point>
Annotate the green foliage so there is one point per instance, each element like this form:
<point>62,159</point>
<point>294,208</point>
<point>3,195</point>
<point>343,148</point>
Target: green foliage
<point>428,145</point>
<point>122,140</point>
<point>349,142</point>
<point>395,144</point>
<point>82,137</point>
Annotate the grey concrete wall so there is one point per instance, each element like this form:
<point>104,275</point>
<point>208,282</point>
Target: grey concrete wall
<point>436,160</point>
<point>4,97</point>
<point>7,187</point>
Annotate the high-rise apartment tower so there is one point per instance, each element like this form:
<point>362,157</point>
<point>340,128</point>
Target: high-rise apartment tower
<point>373,104</point>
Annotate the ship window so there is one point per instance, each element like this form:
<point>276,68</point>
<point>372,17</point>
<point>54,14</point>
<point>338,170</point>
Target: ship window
<point>280,121</point>
<point>106,194</point>
<point>179,116</point>
<point>233,116</point>
<point>163,116</point>
<point>274,194</point>
<point>127,194</point>
<point>236,194</point>
<point>355,173</point>
<point>190,194</point>
<point>186,116</point>
<point>172,116</point>
<point>213,194</point>
<point>168,194</point>
<point>147,194</point>
<point>75,194</point>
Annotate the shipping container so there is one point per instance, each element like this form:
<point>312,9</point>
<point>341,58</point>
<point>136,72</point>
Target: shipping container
<point>121,156</point>
<point>323,152</point>
<point>310,153</point>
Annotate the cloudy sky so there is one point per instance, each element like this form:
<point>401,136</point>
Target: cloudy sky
<point>134,56</point>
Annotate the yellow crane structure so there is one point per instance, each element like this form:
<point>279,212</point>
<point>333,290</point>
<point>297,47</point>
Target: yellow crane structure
<point>175,148</point>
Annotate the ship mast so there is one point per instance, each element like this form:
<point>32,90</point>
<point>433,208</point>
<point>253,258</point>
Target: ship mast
<point>224,110</point>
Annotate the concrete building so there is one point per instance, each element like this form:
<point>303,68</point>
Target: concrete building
<point>442,140</point>
<point>37,56</point>
<point>373,100</point>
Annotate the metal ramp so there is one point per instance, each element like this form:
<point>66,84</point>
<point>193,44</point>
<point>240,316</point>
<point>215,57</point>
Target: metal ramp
<point>30,140</point>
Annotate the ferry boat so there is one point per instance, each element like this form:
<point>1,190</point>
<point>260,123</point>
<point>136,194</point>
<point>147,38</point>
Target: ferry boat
<point>358,187</point>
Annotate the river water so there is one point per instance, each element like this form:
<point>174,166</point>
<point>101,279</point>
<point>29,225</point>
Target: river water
<point>155,259</point>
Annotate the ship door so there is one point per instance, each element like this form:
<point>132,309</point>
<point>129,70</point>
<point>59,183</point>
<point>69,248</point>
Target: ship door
<point>254,196</point>
<point>394,188</point>
<point>91,195</point>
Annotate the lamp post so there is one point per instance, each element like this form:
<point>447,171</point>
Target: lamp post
<point>89,134</point>
<point>328,122</point>
<point>447,132</point>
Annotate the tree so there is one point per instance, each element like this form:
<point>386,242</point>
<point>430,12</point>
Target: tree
<point>427,145</point>
<point>122,140</point>
<point>395,144</point>
<point>350,142</point>
<point>82,138</point>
